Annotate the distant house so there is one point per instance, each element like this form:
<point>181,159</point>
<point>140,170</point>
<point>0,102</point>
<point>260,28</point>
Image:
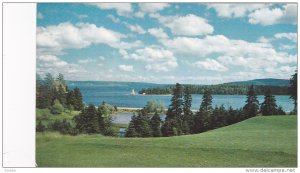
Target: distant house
<point>122,132</point>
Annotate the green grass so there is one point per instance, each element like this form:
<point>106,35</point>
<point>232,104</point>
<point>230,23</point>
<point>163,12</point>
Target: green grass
<point>257,142</point>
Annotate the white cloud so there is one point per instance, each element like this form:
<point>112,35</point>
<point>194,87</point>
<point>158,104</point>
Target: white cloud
<point>290,36</point>
<point>190,25</point>
<point>113,18</point>
<point>52,64</point>
<point>67,35</point>
<point>127,68</point>
<point>135,28</point>
<point>122,9</point>
<point>150,8</point>
<point>288,69</point>
<point>248,55</point>
<point>40,15</point>
<point>210,64</point>
<point>155,59</point>
<point>277,15</point>
<point>85,61</point>
<point>234,10</point>
<point>54,39</point>
<point>287,47</point>
<point>263,40</point>
<point>158,33</point>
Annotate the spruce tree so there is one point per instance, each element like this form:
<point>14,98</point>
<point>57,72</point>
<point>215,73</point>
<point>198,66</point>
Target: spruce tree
<point>130,131</point>
<point>188,120</point>
<point>206,104</point>
<point>87,120</point>
<point>252,104</point>
<point>269,107</point>
<point>175,112</point>
<point>293,90</point>
<point>78,105</point>
<point>155,123</point>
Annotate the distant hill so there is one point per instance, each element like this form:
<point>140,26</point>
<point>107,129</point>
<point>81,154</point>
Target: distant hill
<point>263,82</point>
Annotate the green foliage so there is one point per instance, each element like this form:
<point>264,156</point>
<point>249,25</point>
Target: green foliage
<point>87,120</point>
<point>220,89</point>
<point>269,106</point>
<point>57,108</point>
<point>293,90</point>
<point>206,102</point>
<point>252,104</point>
<point>130,131</point>
<point>155,123</point>
<point>153,106</point>
<point>40,127</point>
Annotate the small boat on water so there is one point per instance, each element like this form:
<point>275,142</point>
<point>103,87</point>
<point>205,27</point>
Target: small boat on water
<point>132,92</point>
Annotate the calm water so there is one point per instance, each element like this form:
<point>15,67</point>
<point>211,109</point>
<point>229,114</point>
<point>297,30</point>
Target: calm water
<point>118,94</point>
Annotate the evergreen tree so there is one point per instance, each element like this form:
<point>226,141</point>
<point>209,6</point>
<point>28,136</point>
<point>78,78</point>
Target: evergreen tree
<point>252,104</point>
<point>155,123</point>
<point>130,131</point>
<point>87,120</point>
<point>206,104</point>
<point>188,120</point>
<point>78,105</point>
<point>61,80</point>
<point>142,125</point>
<point>269,107</point>
<point>174,113</point>
<point>43,97</point>
<point>57,108</point>
<point>169,128</point>
<point>61,95</point>
<point>293,90</point>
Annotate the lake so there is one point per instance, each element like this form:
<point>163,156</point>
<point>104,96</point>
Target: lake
<point>118,94</point>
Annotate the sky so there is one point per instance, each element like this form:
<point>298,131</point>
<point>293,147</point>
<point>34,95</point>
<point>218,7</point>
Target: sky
<point>191,43</point>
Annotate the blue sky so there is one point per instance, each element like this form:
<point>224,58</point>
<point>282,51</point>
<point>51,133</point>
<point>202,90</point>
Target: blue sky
<point>167,42</point>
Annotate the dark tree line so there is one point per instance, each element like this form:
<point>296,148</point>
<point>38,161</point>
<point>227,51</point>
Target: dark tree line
<point>222,89</point>
<point>54,94</point>
<point>180,120</point>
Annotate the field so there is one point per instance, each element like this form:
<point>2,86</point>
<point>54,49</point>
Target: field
<point>256,142</point>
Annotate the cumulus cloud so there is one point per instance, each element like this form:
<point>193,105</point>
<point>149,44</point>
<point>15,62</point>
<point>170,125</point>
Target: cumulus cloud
<point>289,36</point>
<point>127,68</point>
<point>274,15</point>
<point>158,33</point>
<point>190,25</point>
<point>229,52</point>
<point>54,39</point>
<point>210,64</point>
<point>150,8</point>
<point>234,10</point>
<point>135,28</point>
<point>52,64</point>
<point>155,59</point>
<point>122,9</point>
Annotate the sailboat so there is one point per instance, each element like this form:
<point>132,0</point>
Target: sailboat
<point>132,92</point>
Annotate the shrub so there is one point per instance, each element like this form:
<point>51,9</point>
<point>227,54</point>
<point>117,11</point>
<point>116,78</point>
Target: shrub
<point>40,127</point>
<point>57,108</point>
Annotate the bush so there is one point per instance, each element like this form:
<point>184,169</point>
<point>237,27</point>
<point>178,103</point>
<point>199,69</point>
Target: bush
<point>73,132</point>
<point>57,108</point>
<point>40,127</point>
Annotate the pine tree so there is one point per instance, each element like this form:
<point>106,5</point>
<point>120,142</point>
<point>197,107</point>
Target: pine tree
<point>206,104</point>
<point>293,90</point>
<point>87,120</point>
<point>78,105</point>
<point>269,107</point>
<point>174,113</point>
<point>130,131</point>
<point>142,125</point>
<point>40,127</point>
<point>188,119</point>
<point>252,104</point>
<point>155,123</point>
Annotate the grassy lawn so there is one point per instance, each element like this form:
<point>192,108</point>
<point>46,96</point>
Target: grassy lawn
<point>257,142</point>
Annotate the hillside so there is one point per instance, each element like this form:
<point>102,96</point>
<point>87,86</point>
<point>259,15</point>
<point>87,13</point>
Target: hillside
<point>263,82</point>
<point>257,142</point>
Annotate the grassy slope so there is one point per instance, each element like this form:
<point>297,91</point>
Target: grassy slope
<point>257,142</point>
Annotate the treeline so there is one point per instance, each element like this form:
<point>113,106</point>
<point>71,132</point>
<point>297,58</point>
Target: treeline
<point>55,95</point>
<point>180,120</point>
<point>222,89</point>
